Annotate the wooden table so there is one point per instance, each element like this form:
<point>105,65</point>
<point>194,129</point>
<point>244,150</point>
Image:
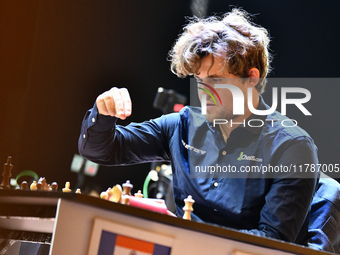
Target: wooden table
<point>66,221</point>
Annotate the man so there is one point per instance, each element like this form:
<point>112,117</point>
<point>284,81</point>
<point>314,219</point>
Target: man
<point>228,51</point>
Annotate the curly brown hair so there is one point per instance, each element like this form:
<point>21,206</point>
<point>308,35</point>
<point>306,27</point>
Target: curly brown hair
<point>243,45</point>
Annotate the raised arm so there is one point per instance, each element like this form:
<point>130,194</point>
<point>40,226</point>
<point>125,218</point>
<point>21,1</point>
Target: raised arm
<point>104,142</point>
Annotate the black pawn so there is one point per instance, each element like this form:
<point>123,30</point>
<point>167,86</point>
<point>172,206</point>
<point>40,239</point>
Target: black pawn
<point>7,174</point>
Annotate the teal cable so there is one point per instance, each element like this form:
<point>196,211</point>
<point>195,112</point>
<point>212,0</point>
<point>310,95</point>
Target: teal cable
<point>27,173</point>
<point>146,185</point>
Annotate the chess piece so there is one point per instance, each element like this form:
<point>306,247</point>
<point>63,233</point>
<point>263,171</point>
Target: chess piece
<point>67,187</point>
<point>43,183</point>
<point>109,192</point>
<point>125,199</point>
<point>39,185</point>
<point>54,186</point>
<point>188,207</point>
<point>139,194</point>
<point>127,188</point>
<point>33,185</point>
<point>116,192</point>
<point>104,195</point>
<point>7,174</point>
<point>24,185</point>
<point>78,191</point>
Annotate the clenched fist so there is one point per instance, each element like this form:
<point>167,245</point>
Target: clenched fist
<point>115,102</point>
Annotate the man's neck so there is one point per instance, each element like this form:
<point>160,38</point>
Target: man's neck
<point>231,125</point>
<point>238,120</point>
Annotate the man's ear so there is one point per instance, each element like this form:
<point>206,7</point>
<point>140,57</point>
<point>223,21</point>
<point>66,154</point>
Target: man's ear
<point>254,77</point>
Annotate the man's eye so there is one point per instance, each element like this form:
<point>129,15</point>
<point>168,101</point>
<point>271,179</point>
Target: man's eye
<point>216,80</point>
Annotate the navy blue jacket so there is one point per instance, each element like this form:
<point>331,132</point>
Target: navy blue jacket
<point>263,192</point>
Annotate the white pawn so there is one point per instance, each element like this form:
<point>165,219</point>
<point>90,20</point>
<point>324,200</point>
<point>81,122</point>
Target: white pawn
<point>139,194</point>
<point>104,195</point>
<point>33,186</point>
<point>67,187</point>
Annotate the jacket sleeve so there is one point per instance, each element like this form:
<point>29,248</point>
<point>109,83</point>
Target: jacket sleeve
<point>105,143</point>
<point>285,214</point>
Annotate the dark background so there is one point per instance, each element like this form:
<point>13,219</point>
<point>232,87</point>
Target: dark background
<point>58,56</point>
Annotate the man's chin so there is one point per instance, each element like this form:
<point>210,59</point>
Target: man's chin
<point>211,117</point>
